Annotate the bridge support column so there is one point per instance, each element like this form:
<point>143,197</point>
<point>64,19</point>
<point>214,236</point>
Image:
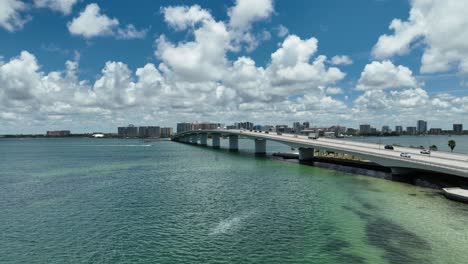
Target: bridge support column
<point>233,142</point>
<point>306,154</point>
<point>194,139</point>
<point>204,139</point>
<point>215,139</point>
<point>260,146</point>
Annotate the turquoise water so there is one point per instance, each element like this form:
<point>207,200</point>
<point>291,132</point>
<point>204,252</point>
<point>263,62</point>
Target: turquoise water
<point>129,201</point>
<point>440,141</point>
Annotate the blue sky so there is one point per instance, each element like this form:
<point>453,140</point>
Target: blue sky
<point>387,76</point>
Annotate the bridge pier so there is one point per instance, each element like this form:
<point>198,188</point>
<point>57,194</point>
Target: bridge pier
<point>306,154</point>
<point>204,139</point>
<point>260,146</point>
<point>194,140</point>
<point>215,141</point>
<point>233,142</point>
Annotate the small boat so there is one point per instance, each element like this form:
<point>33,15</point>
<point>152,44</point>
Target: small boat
<point>457,194</point>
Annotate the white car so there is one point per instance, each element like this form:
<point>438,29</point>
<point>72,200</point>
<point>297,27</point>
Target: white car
<point>405,155</point>
<point>426,151</point>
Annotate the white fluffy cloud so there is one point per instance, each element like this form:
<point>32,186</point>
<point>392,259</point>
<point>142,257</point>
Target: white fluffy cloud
<point>203,59</point>
<point>245,12</point>
<point>200,78</point>
<point>63,6</point>
<point>291,64</point>
<point>385,75</point>
<point>181,17</point>
<point>341,60</point>
<point>391,93</point>
<point>196,79</point>
<point>441,27</point>
<point>241,18</point>
<point>11,17</point>
<point>92,23</point>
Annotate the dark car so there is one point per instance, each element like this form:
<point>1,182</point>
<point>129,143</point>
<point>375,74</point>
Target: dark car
<point>388,147</point>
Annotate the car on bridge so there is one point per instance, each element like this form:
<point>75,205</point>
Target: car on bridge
<point>425,151</point>
<point>405,155</point>
<point>390,147</point>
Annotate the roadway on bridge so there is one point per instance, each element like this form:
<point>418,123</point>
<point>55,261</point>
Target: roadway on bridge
<point>437,158</point>
<point>445,161</point>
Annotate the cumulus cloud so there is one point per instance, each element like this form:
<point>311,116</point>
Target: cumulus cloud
<point>385,75</point>
<point>63,6</point>
<point>11,17</point>
<point>241,18</point>
<point>181,17</point>
<point>341,60</point>
<point>441,27</point>
<point>291,64</point>
<point>334,90</point>
<point>201,78</point>
<point>391,93</point>
<point>245,12</point>
<point>195,79</point>
<point>92,23</point>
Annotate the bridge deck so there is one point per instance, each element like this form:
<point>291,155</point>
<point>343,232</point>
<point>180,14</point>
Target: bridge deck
<point>439,160</point>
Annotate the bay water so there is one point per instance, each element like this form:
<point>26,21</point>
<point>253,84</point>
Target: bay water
<point>130,201</point>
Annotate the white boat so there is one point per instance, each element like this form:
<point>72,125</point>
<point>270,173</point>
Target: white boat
<point>457,194</point>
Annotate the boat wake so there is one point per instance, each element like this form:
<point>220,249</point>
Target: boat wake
<point>230,225</point>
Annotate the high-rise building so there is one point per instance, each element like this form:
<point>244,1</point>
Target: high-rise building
<point>166,132</point>
<point>205,126</point>
<point>365,129</point>
<point>422,127</point>
<point>435,131</point>
<point>153,131</point>
<point>411,130</point>
<point>386,129</point>
<point>132,131</point>
<point>122,131</point>
<point>306,125</point>
<point>143,131</point>
<point>182,127</point>
<point>399,129</point>
<point>458,128</point>
<point>244,125</point>
<point>128,131</point>
<point>297,127</point>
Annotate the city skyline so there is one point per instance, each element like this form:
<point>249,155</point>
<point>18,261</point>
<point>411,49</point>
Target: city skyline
<point>97,65</point>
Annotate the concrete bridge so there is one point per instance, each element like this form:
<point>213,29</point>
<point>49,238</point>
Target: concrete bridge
<point>437,161</point>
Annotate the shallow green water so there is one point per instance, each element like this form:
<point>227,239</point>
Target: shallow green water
<point>129,201</point>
